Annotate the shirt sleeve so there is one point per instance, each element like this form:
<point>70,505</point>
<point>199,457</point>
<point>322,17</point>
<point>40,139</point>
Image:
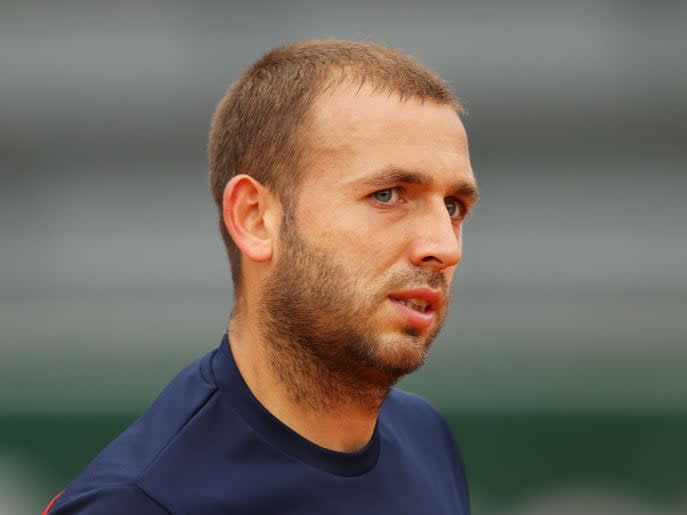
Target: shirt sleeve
<point>113,500</point>
<point>458,465</point>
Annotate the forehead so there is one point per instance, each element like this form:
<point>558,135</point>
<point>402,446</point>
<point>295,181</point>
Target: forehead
<point>358,131</point>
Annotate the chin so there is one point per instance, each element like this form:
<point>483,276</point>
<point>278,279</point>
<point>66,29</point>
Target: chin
<point>401,354</point>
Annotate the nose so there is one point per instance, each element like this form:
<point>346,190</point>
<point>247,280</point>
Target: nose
<point>438,241</point>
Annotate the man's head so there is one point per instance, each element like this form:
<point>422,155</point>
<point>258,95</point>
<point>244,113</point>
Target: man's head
<point>351,230</point>
<point>262,126</point>
<point>365,260</point>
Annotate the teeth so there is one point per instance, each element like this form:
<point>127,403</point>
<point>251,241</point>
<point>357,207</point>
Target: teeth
<point>418,304</point>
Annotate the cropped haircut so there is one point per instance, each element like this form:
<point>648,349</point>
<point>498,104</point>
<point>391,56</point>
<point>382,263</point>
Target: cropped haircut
<point>260,127</point>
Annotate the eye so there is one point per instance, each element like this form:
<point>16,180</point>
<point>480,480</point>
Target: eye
<point>385,196</point>
<point>454,207</point>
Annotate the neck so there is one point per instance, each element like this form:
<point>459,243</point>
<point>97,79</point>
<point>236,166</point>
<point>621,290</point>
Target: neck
<point>334,405</point>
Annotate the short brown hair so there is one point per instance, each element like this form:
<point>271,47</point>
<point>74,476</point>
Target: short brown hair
<point>259,126</point>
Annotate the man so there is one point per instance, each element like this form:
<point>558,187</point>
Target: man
<point>342,177</point>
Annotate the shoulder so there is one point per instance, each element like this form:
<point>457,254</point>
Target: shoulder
<point>111,483</point>
<point>413,428</point>
<point>418,427</point>
<point>108,500</point>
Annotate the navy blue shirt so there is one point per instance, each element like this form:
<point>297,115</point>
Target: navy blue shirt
<point>207,446</point>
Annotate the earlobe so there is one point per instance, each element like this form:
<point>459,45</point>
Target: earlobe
<point>246,206</point>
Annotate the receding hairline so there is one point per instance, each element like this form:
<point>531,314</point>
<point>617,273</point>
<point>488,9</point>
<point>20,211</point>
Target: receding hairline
<point>331,62</point>
<point>354,72</point>
<point>362,85</point>
<point>311,129</point>
<point>359,76</point>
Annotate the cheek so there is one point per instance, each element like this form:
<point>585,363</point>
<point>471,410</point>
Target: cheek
<point>362,243</point>
<point>364,256</point>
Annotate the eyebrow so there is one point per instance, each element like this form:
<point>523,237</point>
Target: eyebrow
<point>391,175</point>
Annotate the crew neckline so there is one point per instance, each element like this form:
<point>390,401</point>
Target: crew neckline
<point>229,380</point>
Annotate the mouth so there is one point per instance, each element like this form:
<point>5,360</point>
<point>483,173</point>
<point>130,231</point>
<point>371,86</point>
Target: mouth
<point>418,307</point>
<point>416,304</point>
<point>420,299</point>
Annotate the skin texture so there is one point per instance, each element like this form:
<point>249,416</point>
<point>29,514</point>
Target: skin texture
<point>317,333</point>
<point>322,341</point>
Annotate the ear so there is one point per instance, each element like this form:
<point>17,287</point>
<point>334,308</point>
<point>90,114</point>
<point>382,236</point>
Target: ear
<point>251,215</point>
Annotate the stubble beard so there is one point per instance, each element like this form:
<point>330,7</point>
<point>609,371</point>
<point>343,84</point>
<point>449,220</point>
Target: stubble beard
<point>315,325</point>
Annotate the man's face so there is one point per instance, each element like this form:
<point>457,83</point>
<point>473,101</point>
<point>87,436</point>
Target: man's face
<point>367,254</point>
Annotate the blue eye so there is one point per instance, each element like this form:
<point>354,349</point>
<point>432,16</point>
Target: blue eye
<point>454,207</point>
<point>384,196</point>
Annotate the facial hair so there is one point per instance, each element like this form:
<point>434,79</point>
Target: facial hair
<point>317,328</point>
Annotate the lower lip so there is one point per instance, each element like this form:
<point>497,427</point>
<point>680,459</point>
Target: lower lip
<point>413,317</point>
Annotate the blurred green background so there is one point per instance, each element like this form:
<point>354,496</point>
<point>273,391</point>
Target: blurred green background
<point>562,368</point>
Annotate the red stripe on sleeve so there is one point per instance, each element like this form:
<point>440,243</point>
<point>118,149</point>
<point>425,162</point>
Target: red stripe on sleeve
<point>47,508</point>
